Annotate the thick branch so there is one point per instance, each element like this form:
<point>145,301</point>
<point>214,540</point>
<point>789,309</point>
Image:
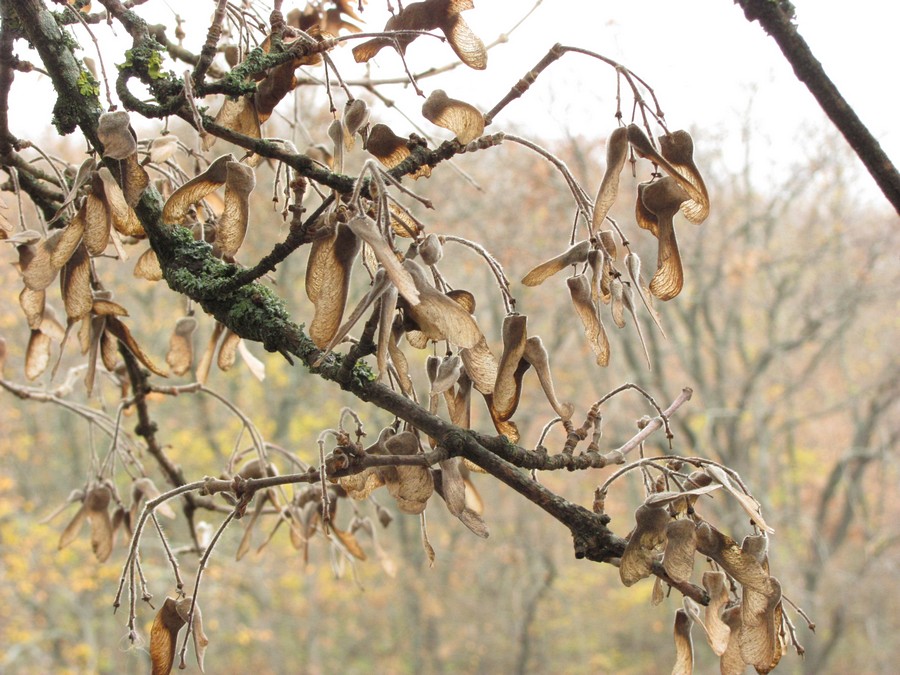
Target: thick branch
<point>776,20</point>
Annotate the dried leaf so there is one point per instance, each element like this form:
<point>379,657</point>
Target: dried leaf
<point>163,636</point>
<point>438,316</point>
<point>616,153</point>
<point>349,542</point>
<point>35,263</point>
<point>481,366</point>
<point>177,206</point>
<point>278,82</point>
<point>37,355</point>
<point>580,292</point>
<point>114,131</point>
<point>678,148</point>
<point>96,223</point>
<point>148,267</point>
<point>32,304</point>
<point>662,199</point>
<point>228,350</point>
<point>121,214</point>
<point>360,485</point>
<point>648,537</point>
<point>163,148</point>
<point>256,367</point>
<point>75,285</point>
<point>62,248</point>
<point>617,297</point>
<point>109,351</point>
<point>717,630</point>
<point>536,354</point>
<point>144,489</point>
<point>462,119</point>
<point>206,358</point>
<point>365,228</point>
<point>120,330</point>
<point>183,606</point>
<point>180,356</point>
<point>390,149</point>
<point>731,662</point>
<point>749,504</point>
<point>453,487</point>
<point>356,116</point>
<point>761,618</point>
<point>73,528</point>
<point>134,180</point>
<point>96,507</point>
<point>742,566</point>
<point>328,281</point>
<point>508,385</point>
<point>239,115</point>
<point>681,544</point>
<point>577,253</point>
<point>684,646</point>
<point>431,250</point>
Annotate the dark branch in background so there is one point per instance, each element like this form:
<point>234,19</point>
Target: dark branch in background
<point>776,18</point>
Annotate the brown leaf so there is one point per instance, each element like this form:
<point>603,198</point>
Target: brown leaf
<point>134,180</point>
<point>239,115</point>
<point>96,222</point>
<point>278,82</point>
<point>717,630</point>
<point>536,354</point>
<point>349,542</point>
<point>62,248</point>
<point>96,507</point>
<point>616,153</point>
<point>481,366</point>
<point>356,116</point>
<point>228,350</point>
<point>662,199</point>
<point>232,226</point>
<point>148,267</point>
<point>365,228</point>
<point>123,216</point>
<point>120,330</point>
<point>103,307</point>
<point>681,544</point>
<point>742,566</point>
<point>163,636</point>
<point>35,263</point>
<point>462,119</point>
<point>114,131</point>
<point>760,639</point>
<point>145,489</point>
<point>183,607</point>
<point>32,304</point>
<point>37,355</point>
<point>438,316</point>
<point>684,646</point>
<point>73,528</point>
<point>328,281</point>
<point>390,149</point>
<point>177,206</point>
<point>580,292</point>
<point>508,385</point>
<point>578,253</point>
<point>75,285</point>
<point>109,351</point>
<point>678,148</point>
<point>749,504</point>
<point>648,537</point>
<point>206,358</point>
<point>731,662</point>
<point>360,485</point>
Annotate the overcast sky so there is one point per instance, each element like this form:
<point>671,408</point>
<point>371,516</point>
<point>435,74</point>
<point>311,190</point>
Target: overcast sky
<point>708,65</point>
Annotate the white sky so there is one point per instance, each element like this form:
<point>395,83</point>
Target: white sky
<point>709,66</point>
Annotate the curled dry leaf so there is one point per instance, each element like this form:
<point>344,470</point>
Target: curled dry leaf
<point>681,544</point>
<point>228,350</point>
<point>481,366</point>
<point>328,281</point>
<point>183,607</point>
<point>148,267</point>
<point>411,486</point>
<point>232,226</point>
<point>453,487</point>
<point>163,148</point>
<point>336,134</point>
<point>63,246</point>
<point>580,292</point>
<point>448,372</point>
<point>390,150</point>
<point>617,298</point>
<point>356,116</point>
<point>180,356</point>
<point>177,206</point>
<point>717,631</point>
<point>428,15</point>
<point>96,222</point>
<point>462,119</point>
<point>578,253</point>
<point>144,489</point>
<point>731,662</point>
<point>616,153</point>
<point>749,504</point>
<point>366,229</point>
<point>239,115</point>
<point>760,636</point>
<point>536,354</point>
<point>438,316</point>
<point>32,304</point>
<point>96,509</point>
<point>644,148</point>
<point>37,355</point>
<point>508,385</point>
<point>648,537</point>
<point>662,199</point>
<point>678,148</point>
<point>120,331</point>
<point>742,566</point>
<point>386,335</point>
<point>360,485</point>
<point>684,646</point>
<point>163,636</point>
<point>114,131</point>
<point>431,250</point>
<point>121,214</point>
<point>75,285</point>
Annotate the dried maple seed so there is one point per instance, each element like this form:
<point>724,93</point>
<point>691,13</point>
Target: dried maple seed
<point>114,131</point>
<point>462,119</point>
